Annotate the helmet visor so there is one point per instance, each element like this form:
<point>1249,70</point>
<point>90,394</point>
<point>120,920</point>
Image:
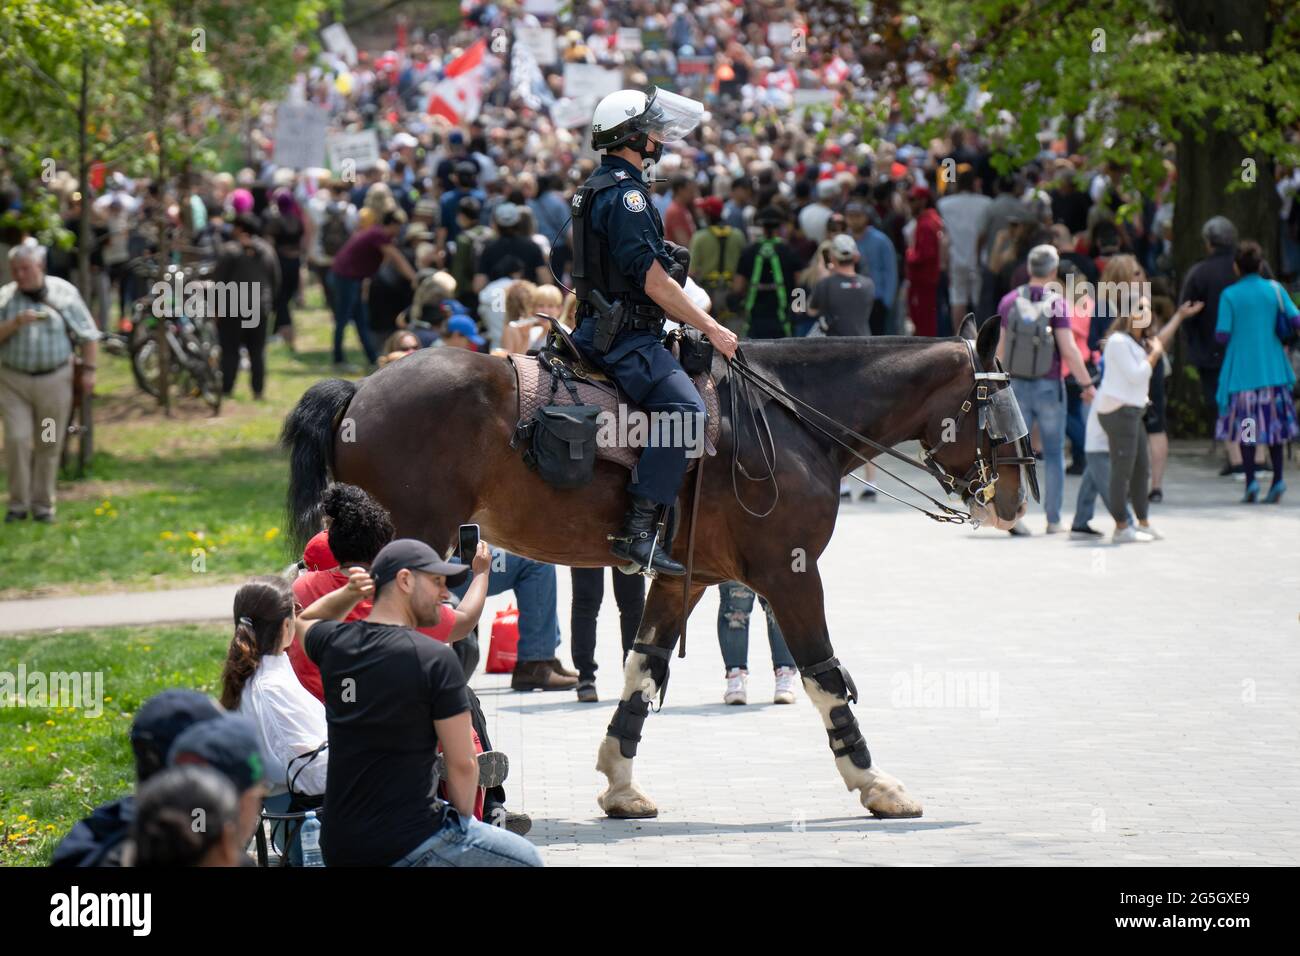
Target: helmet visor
<point>670,117</point>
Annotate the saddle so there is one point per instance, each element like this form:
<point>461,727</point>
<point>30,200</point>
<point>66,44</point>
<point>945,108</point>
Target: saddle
<point>538,377</point>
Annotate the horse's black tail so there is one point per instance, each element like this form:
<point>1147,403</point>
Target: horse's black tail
<point>308,436</point>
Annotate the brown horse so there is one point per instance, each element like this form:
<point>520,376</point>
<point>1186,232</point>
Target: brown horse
<point>429,437</point>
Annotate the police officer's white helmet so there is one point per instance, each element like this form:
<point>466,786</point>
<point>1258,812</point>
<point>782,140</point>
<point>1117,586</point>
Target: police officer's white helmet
<point>628,116</point>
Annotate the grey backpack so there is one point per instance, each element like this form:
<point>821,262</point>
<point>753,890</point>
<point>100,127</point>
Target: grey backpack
<point>1031,342</point>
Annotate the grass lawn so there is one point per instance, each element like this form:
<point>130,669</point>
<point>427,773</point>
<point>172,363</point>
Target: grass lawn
<point>56,764</point>
<point>173,502</point>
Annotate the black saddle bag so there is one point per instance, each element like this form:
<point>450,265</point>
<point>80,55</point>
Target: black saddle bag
<point>694,352</point>
<point>559,441</point>
<point>563,448</point>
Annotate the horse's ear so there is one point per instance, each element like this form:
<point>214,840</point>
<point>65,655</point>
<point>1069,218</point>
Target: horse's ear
<point>986,343</point>
<point>968,327</point>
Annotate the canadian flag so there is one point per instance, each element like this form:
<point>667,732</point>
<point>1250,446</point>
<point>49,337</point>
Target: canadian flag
<point>460,94</point>
<point>785,80</point>
<point>836,72</point>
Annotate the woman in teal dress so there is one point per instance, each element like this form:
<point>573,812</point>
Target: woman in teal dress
<point>1255,403</point>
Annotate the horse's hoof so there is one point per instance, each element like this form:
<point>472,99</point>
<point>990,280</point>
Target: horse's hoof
<point>628,806</point>
<point>889,801</point>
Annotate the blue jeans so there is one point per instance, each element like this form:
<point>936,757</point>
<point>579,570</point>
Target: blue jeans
<point>534,585</point>
<point>465,841</point>
<point>1076,414</point>
<point>654,380</point>
<point>350,306</point>
<point>1096,481</point>
<point>1042,400</point>
<point>735,604</point>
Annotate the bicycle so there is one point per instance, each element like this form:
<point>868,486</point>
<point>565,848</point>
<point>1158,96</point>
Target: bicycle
<point>193,352</point>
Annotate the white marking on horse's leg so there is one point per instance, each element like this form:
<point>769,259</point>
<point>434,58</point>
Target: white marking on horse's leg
<point>623,798</point>
<point>880,792</point>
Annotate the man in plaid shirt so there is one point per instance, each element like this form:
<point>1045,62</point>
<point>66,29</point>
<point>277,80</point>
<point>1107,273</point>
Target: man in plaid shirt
<point>40,317</point>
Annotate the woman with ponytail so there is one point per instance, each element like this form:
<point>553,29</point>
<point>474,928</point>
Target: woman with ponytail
<point>259,682</point>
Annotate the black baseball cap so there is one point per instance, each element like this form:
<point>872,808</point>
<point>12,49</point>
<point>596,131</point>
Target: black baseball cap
<point>413,555</point>
<point>161,719</point>
<point>227,743</point>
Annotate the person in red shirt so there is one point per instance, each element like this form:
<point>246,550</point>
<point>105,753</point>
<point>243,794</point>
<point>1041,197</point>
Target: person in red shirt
<point>358,527</point>
<point>923,263</point>
<point>679,222</point>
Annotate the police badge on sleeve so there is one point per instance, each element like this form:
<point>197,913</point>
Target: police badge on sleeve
<point>634,200</point>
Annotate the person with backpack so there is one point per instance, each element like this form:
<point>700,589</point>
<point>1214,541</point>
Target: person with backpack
<point>765,279</point>
<point>715,253</point>
<point>1035,341</point>
<point>334,220</point>
<point>466,249</point>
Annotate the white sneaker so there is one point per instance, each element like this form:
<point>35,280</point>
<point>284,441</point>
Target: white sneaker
<point>1148,529</point>
<point>1055,527</point>
<point>786,681</point>
<point>1130,535</point>
<point>736,692</point>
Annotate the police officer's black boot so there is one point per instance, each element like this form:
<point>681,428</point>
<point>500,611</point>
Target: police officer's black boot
<point>638,538</point>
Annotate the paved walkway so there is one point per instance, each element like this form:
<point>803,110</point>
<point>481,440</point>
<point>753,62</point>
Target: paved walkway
<point>1049,701</point>
<point>109,610</point>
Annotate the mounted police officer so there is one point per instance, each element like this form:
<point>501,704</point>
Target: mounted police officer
<point>627,279</point>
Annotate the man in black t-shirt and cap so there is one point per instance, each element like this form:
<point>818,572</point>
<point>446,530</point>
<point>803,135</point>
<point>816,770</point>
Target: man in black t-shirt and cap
<point>391,697</point>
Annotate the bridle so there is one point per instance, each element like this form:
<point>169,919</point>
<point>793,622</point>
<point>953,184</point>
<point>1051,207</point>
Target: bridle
<point>994,415</point>
<point>981,480</point>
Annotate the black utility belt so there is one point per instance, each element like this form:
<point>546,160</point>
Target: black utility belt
<point>49,371</point>
<point>638,318</point>
<point>638,323</point>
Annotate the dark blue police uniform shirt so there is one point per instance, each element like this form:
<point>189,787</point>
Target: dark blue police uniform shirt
<point>628,221</point>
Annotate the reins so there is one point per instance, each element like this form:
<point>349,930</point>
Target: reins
<point>748,376</point>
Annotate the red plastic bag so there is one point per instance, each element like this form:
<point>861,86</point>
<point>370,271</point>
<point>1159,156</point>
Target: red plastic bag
<point>504,649</point>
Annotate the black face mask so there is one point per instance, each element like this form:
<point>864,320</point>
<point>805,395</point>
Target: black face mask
<point>37,295</point>
<point>651,151</point>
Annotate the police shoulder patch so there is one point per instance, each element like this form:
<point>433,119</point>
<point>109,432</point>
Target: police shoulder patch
<point>634,200</point>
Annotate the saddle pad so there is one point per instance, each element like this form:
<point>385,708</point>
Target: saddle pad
<point>534,391</point>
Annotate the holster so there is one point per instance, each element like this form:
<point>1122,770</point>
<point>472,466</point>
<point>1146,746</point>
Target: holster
<point>610,319</point>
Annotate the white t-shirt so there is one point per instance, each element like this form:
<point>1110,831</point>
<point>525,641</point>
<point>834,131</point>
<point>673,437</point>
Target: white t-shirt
<point>1126,378</point>
<point>290,721</point>
<point>961,214</point>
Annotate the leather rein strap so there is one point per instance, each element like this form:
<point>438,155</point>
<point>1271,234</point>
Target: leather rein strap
<point>802,411</point>
<point>690,552</point>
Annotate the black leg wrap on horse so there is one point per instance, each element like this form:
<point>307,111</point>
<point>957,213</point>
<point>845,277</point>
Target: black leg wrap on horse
<point>847,739</point>
<point>832,677</point>
<point>628,720</point>
<point>658,663</point>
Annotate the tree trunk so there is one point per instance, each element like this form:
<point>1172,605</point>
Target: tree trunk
<point>159,82</point>
<point>1210,160</point>
<point>84,236</point>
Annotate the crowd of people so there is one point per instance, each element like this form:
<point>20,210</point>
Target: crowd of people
<point>458,233</point>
